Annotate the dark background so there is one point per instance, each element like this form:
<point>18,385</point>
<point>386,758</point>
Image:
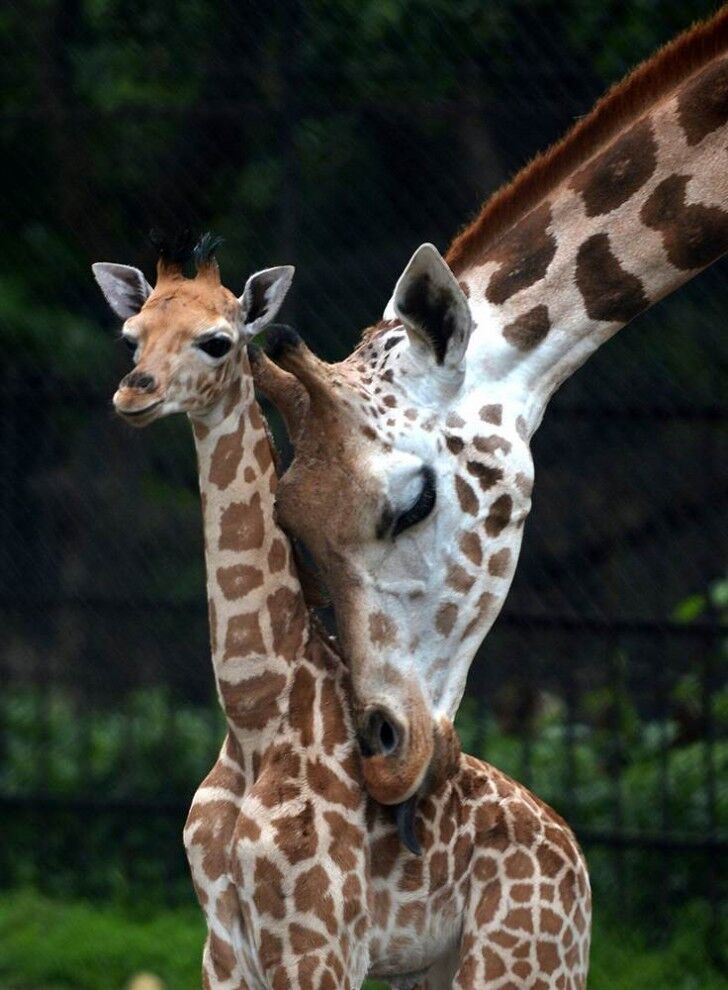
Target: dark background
<point>336,136</point>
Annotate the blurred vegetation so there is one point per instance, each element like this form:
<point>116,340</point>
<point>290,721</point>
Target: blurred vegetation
<point>50,945</point>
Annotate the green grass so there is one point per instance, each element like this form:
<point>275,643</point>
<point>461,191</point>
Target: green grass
<point>51,945</point>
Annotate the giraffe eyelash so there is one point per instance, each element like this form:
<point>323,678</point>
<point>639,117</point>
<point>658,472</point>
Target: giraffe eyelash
<point>421,508</point>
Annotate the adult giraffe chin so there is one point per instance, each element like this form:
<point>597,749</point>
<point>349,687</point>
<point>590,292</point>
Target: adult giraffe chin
<point>412,473</point>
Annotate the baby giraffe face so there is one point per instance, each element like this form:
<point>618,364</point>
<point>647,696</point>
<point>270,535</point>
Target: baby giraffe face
<point>186,334</point>
<point>186,342</point>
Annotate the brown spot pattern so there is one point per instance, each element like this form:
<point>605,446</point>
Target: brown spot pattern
<point>332,716</point>
<point>528,329</point>
<point>492,414</point>
<point>243,636</point>
<point>693,235</point>
<point>499,515</point>
<point>498,563</point>
<point>483,606</point>
<point>524,254</point>
<point>466,496</point>
<point>252,703</point>
<point>459,579</point>
<point>491,444</point>
<point>305,940</point>
<point>615,175</point>
<point>242,525</point>
<point>288,618</point>
<point>226,457</point>
<point>239,580</point>
<point>279,782</point>
<point>346,840</point>
<point>329,786</point>
<point>610,293</point>
<point>703,103</point>
<point>277,556</point>
<point>296,834</point>
<point>384,854</point>
<point>301,705</point>
<point>470,546</point>
<point>487,476</point>
<point>268,896</point>
<point>445,618</point>
<point>223,957</point>
<point>263,455</point>
<point>205,822</point>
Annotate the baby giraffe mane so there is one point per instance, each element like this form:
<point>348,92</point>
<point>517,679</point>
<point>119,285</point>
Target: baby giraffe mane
<point>622,105</point>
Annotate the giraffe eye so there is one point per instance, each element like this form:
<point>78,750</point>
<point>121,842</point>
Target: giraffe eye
<point>216,346</point>
<point>421,508</point>
<point>131,342</point>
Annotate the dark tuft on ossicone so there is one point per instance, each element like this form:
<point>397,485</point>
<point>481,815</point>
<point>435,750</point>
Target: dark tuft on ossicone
<point>180,248</point>
<point>280,339</point>
<point>204,251</point>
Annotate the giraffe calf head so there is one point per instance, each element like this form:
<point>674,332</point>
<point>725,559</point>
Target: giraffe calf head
<point>186,334</point>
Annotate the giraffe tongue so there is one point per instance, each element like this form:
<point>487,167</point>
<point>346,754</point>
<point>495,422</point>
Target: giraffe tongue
<point>404,815</point>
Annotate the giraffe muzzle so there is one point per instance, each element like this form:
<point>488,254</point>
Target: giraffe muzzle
<point>396,753</point>
<point>388,768</point>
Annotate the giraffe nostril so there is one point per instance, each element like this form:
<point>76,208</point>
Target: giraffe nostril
<point>387,736</point>
<point>140,381</point>
<point>380,735</point>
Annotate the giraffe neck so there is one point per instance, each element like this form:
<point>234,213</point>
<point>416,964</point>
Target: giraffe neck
<point>258,620</point>
<point>624,225</point>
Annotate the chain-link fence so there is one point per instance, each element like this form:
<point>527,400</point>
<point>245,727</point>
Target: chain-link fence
<point>338,137</point>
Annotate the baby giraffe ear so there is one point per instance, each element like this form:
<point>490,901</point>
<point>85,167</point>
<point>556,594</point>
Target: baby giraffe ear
<point>125,288</point>
<point>433,307</point>
<point>262,298</point>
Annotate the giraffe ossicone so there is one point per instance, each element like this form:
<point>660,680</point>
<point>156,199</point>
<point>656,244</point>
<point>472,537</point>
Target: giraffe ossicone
<point>412,473</point>
<point>302,876</point>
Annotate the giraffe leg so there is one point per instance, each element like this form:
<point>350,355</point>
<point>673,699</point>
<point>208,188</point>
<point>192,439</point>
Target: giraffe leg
<point>220,971</point>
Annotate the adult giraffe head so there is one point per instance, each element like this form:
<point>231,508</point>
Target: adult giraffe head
<point>412,473</point>
<point>186,334</point>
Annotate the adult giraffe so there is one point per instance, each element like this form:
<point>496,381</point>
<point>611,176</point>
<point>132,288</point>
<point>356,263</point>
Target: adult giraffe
<point>302,877</point>
<point>412,473</point>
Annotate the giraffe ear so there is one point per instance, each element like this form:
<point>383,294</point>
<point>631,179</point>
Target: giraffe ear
<point>433,307</point>
<point>262,298</point>
<point>125,288</point>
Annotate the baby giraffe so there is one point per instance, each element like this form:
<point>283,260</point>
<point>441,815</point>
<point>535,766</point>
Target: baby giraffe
<point>302,877</point>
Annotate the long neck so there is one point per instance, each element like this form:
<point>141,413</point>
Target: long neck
<point>258,618</point>
<point>622,228</point>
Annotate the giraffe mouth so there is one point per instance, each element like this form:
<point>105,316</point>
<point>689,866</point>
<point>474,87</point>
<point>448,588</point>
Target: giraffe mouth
<point>137,414</point>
